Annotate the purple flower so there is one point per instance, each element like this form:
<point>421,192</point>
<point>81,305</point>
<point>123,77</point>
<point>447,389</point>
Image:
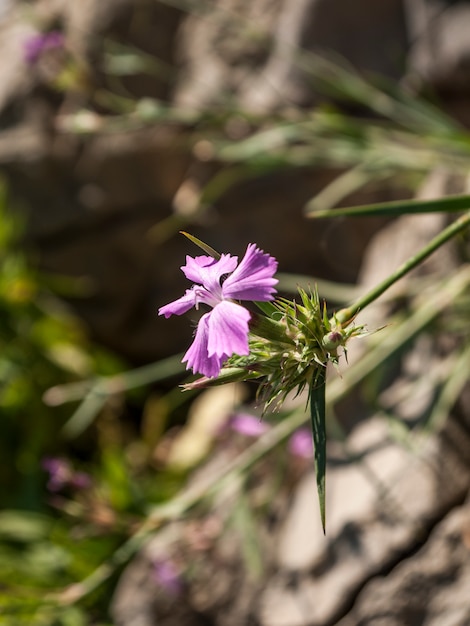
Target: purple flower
<point>167,576</point>
<point>59,472</point>
<point>301,444</point>
<point>61,475</point>
<point>38,43</point>
<point>248,425</point>
<point>224,330</point>
<point>80,480</point>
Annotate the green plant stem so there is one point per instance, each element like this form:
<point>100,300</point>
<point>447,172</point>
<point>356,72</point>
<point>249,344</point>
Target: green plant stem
<point>344,316</point>
<point>400,333</point>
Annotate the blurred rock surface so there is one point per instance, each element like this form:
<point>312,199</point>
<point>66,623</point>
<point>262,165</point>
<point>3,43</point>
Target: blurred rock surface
<point>92,200</point>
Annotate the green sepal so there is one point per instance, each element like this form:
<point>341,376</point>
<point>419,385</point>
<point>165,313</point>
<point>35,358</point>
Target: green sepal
<point>317,414</point>
<point>326,321</point>
<point>267,328</point>
<point>227,375</point>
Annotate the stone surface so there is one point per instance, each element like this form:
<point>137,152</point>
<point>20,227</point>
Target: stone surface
<point>439,51</point>
<point>431,588</point>
<point>378,510</point>
<point>262,61</point>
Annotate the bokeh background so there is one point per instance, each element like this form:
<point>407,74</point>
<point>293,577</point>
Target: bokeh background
<point>127,502</point>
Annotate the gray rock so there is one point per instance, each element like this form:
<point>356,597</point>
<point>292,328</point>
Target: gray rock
<point>377,509</point>
<point>429,588</point>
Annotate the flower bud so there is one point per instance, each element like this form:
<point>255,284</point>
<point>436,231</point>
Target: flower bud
<point>332,340</point>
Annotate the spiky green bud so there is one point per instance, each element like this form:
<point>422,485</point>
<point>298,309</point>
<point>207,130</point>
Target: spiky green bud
<point>287,348</point>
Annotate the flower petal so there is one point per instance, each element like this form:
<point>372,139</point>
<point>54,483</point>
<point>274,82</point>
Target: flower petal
<point>197,357</point>
<point>207,271</point>
<point>180,306</point>
<point>228,330</point>
<point>253,278</point>
<point>248,425</point>
<point>301,443</point>
<point>194,265</point>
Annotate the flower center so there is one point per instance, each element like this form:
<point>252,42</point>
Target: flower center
<point>204,296</point>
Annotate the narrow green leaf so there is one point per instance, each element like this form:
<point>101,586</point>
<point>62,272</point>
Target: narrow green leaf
<point>267,307</point>
<point>326,321</point>
<point>23,526</point>
<point>331,291</point>
<point>345,316</point>
<point>317,413</point>
<point>246,524</point>
<point>453,385</point>
<point>345,184</point>
<point>447,204</point>
<point>227,375</point>
<point>204,246</point>
<point>85,414</point>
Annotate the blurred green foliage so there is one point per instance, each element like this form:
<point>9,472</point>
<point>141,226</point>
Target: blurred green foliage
<point>41,345</point>
<point>55,531</point>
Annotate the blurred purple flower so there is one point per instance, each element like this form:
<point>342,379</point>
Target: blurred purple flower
<point>62,475</point>
<point>38,43</point>
<point>167,576</point>
<point>301,443</point>
<point>80,480</point>
<point>58,470</point>
<point>224,330</point>
<point>248,425</point>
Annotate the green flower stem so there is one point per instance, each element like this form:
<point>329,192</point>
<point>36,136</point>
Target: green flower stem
<point>345,316</point>
<point>400,333</point>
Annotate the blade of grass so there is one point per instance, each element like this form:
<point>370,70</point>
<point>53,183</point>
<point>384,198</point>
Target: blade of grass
<point>345,184</point>
<point>400,207</point>
<point>450,391</point>
<point>204,246</point>
<point>331,291</point>
<point>98,391</point>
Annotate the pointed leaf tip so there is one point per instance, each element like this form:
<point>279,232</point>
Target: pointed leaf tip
<point>204,246</point>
